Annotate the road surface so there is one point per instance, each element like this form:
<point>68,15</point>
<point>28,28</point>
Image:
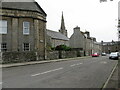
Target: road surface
<point>80,73</point>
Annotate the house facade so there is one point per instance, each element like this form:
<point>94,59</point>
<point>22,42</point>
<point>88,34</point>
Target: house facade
<point>82,41</point>
<point>77,39</point>
<point>97,47</point>
<point>108,47</point>
<point>89,46</point>
<point>22,27</point>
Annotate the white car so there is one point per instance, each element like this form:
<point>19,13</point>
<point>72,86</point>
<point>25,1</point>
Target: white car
<point>114,55</point>
<point>103,54</point>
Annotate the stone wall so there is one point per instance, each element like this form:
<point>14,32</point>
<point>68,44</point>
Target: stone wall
<point>52,55</point>
<point>63,54</point>
<point>17,57</point>
<point>68,54</point>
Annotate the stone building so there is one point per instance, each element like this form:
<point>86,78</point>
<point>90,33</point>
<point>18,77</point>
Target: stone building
<point>82,41</point>
<point>108,47</point>
<point>77,42</point>
<point>89,46</point>
<point>77,39</point>
<point>58,38</point>
<point>22,27</point>
<point>97,47</point>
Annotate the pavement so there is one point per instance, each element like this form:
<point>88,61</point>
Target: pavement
<point>38,62</point>
<point>113,83</point>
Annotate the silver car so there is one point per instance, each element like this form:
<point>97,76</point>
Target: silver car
<point>114,55</point>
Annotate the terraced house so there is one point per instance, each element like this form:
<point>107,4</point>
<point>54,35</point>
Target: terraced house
<point>22,27</point>
<point>82,41</point>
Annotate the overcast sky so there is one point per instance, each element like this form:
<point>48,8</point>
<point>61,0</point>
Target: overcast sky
<point>100,19</point>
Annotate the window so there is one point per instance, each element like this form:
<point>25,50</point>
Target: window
<point>26,47</point>
<point>3,27</point>
<point>3,47</point>
<point>26,28</point>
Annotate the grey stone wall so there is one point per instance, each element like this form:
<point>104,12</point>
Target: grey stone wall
<point>17,57</point>
<point>52,55</point>
<point>68,54</point>
<point>63,54</point>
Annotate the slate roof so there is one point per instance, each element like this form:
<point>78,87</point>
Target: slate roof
<point>27,6</point>
<point>57,35</point>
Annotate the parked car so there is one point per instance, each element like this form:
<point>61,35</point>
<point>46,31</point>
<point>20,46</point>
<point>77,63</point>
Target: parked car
<point>114,55</point>
<point>95,55</point>
<point>103,54</point>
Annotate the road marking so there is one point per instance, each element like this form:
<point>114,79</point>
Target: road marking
<point>72,65</point>
<point>103,62</point>
<point>46,72</point>
<point>79,63</point>
<point>75,64</point>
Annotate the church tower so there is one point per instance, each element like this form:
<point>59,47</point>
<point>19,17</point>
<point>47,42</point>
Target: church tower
<point>62,28</point>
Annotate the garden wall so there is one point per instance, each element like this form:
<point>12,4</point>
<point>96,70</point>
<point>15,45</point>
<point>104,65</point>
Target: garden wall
<point>63,54</point>
<point>18,57</point>
<point>52,55</point>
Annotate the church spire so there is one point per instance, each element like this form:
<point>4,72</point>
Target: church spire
<point>62,28</point>
<point>62,23</point>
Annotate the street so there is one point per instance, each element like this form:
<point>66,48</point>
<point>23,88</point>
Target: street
<point>80,73</point>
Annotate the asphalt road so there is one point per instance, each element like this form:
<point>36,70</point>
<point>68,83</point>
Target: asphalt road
<point>82,73</point>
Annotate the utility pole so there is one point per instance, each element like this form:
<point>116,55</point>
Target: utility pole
<point>118,29</point>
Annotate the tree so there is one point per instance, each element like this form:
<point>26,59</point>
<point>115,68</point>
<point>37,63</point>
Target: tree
<point>62,47</point>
